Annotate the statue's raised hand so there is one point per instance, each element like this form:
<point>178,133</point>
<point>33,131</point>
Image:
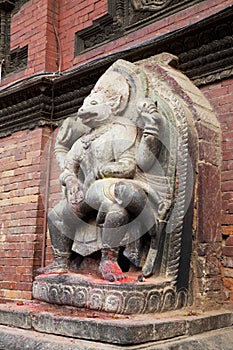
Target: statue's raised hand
<point>148,148</point>
<point>150,116</point>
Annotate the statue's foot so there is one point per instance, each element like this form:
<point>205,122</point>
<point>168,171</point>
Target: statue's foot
<point>149,265</point>
<point>111,271</point>
<point>57,266</point>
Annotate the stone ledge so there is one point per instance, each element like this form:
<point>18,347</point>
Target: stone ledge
<point>19,339</point>
<point>110,328</point>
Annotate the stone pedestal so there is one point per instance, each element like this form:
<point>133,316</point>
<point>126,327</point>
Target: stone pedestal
<point>126,297</point>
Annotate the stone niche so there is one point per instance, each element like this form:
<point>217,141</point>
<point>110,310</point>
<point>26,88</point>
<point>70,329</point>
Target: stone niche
<point>131,217</point>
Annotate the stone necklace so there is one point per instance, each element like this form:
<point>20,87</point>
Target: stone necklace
<point>92,135</point>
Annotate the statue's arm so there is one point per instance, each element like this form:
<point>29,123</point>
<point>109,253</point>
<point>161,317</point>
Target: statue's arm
<point>148,149</point>
<point>71,166</point>
<point>124,167</point>
<point>69,174</point>
<point>69,178</point>
<point>70,130</point>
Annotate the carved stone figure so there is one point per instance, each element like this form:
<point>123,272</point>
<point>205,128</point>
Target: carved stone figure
<point>127,177</point>
<point>105,166</point>
<point>149,5</point>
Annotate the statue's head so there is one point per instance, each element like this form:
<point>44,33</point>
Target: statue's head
<point>98,107</point>
<point>108,99</point>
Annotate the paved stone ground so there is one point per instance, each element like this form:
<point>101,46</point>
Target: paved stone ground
<point>19,339</point>
<point>41,326</point>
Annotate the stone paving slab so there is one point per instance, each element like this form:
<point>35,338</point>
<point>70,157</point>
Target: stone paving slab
<point>20,339</point>
<point>110,328</point>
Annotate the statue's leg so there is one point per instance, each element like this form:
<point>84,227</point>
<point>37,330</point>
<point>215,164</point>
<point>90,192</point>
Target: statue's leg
<point>148,267</point>
<point>131,197</point>
<point>153,260</point>
<point>136,202</point>
<point>61,243</point>
<point>112,234</point>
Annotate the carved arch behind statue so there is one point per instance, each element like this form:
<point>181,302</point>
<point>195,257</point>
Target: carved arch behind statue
<point>202,223</point>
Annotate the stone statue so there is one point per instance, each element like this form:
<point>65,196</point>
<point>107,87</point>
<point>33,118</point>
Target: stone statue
<point>127,181</point>
<point>117,194</point>
<point>103,176</point>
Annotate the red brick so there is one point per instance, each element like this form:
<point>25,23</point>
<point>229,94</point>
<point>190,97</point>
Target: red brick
<point>228,272</point>
<point>8,285</point>
<point>24,286</point>
<point>12,261</point>
<point>227,219</point>
<point>228,135</point>
<point>8,277</point>
<point>228,82</point>
<point>228,283</point>
<point>10,269</point>
<point>229,241</point>
<point>231,296</point>
<point>227,155</point>
<point>24,270</point>
<point>227,186</point>
<point>227,251</point>
<point>208,210</point>
<point>227,230</point>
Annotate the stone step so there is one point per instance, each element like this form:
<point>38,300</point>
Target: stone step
<point>102,327</point>
<point>21,339</point>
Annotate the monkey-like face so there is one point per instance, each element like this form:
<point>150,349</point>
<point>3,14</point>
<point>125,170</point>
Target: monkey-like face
<point>97,108</point>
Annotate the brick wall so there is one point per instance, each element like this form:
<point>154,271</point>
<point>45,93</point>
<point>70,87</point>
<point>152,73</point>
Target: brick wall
<point>33,16</point>
<point>50,33</point>
<point>155,30</point>
<point>48,28</point>
<point>34,26</point>
<point>220,96</point>
<point>22,211</point>
<point>75,16</point>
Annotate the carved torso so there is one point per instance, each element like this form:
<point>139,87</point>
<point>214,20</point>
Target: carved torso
<point>113,143</point>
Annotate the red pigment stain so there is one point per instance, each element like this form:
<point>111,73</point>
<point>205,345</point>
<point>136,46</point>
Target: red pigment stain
<point>112,272</point>
<point>98,278</point>
<point>51,273</point>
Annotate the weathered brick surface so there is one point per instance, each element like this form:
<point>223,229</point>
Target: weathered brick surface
<point>177,21</point>
<point>209,218</point>
<point>220,96</point>
<point>207,198</point>
<point>21,210</point>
